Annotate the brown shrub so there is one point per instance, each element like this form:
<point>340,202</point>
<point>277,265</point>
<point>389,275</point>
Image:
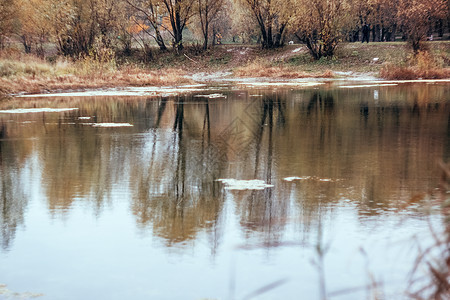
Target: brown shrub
<point>420,66</point>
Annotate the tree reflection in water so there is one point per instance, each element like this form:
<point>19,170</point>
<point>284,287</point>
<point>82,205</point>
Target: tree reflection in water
<point>14,201</point>
<point>264,211</point>
<point>178,194</point>
<point>375,153</point>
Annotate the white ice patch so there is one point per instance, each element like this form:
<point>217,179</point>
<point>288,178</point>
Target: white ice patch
<point>281,84</point>
<point>35,110</point>
<point>241,185</point>
<point>292,178</point>
<point>8,294</point>
<point>193,86</point>
<point>366,85</point>
<point>111,125</point>
<point>211,96</point>
<point>84,118</point>
<point>149,91</point>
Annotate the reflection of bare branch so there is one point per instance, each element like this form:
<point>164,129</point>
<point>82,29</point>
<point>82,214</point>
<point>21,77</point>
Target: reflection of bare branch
<point>437,284</point>
<point>13,201</point>
<point>271,244</point>
<point>266,288</point>
<point>355,289</point>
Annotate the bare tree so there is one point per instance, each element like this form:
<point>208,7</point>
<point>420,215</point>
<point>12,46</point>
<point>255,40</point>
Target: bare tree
<point>320,24</point>
<point>417,16</point>
<point>207,12</point>
<point>149,11</point>
<point>179,13</point>
<point>272,17</point>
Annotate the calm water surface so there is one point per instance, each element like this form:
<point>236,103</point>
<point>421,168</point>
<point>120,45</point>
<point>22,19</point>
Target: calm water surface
<point>137,212</point>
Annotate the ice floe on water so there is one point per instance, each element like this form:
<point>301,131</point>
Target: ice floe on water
<point>6,293</point>
<point>111,125</point>
<point>84,118</point>
<point>281,83</point>
<point>211,96</point>
<point>148,91</point>
<point>366,85</point>
<point>241,185</point>
<point>294,178</point>
<point>35,110</point>
<point>107,125</point>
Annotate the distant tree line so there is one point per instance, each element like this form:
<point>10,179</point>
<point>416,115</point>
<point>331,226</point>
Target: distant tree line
<point>85,27</point>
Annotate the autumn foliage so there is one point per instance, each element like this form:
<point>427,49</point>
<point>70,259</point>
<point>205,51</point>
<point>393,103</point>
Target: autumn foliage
<point>80,28</point>
<point>416,17</point>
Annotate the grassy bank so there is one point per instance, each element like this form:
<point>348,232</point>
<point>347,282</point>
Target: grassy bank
<point>20,73</point>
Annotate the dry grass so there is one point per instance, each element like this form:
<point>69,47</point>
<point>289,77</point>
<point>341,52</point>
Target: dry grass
<point>420,66</point>
<point>263,68</point>
<point>20,73</point>
<point>32,84</point>
<point>29,74</point>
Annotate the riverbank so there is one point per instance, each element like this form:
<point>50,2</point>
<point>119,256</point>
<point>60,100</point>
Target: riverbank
<point>25,74</point>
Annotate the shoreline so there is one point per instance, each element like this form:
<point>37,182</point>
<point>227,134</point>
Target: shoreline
<point>22,74</point>
<point>212,85</point>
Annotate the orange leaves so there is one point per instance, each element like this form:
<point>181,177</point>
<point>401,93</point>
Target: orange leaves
<point>137,27</point>
<point>416,16</point>
<point>165,23</point>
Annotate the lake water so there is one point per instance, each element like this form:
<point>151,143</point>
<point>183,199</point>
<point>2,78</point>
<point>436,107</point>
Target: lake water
<point>136,209</point>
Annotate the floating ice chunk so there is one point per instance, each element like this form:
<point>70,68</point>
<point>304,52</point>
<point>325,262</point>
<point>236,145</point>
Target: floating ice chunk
<point>292,178</point>
<point>34,110</point>
<point>241,185</point>
<point>366,85</point>
<point>5,292</point>
<point>296,178</point>
<point>128,91</point>
<point>281,83</point>
<point>111,125</point>
<point>211,96</point>
<point>190,86</point>
<point>84,118</point>
<point>325,179</point>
